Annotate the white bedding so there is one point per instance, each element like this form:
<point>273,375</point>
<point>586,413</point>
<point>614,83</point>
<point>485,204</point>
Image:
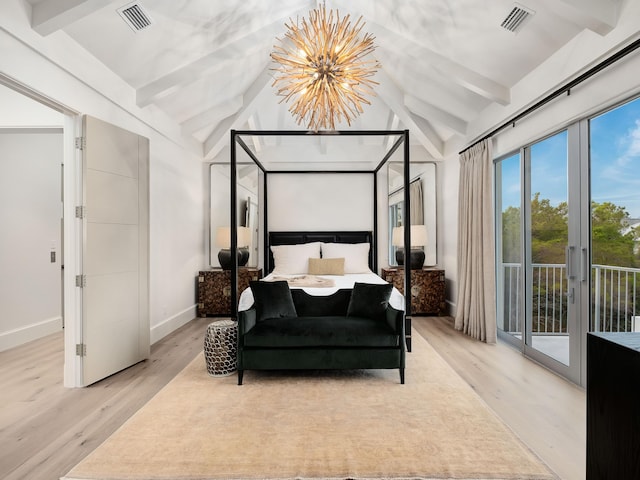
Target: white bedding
<point>341,281</point>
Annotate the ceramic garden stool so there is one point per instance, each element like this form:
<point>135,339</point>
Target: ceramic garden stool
<point>220,347</point>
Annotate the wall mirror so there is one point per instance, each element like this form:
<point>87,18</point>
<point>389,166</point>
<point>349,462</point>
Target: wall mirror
<point>422,192</point>
<point>248,202</point>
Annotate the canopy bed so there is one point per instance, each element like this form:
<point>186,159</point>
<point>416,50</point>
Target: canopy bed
<point>393,139</point>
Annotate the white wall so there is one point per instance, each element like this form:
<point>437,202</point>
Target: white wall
<point>30,219</point>
<point>327,201</point>
<point>56,68</point>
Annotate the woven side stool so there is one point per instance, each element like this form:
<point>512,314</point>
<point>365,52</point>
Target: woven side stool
<point>220,348</point>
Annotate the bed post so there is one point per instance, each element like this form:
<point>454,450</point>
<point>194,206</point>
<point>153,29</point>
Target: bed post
<point>233,223</point>
<point>407,240</point>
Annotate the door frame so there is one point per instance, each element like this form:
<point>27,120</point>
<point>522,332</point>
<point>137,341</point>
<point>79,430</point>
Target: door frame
<point>73,246</point>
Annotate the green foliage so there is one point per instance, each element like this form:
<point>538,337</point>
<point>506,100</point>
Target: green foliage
<point>609,246</point>
<point>549,233</point>
<point>511,235</point>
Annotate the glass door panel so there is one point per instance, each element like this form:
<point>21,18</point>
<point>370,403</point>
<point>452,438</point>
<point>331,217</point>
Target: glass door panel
<point>509,247</point>
<point>548,250</point>
<point>615,219</point>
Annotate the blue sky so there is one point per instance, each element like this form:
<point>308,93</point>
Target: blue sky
<point>615,163</point>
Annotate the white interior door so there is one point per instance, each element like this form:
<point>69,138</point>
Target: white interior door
<point>115,299</point>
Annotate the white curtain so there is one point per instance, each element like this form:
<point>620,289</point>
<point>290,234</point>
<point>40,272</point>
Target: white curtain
<point>417,202</point>
<point>476,309</point>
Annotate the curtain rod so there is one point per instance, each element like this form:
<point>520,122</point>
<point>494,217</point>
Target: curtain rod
<point>566,88</point>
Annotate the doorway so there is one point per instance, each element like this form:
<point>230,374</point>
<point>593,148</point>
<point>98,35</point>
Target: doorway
<point>31,211</point>
<point>537,204</point>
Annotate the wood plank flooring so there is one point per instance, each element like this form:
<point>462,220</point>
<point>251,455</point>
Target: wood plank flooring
<point>45,429</point>
<point>546,411</point>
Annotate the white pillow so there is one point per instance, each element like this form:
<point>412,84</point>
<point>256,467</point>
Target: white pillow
<point>294,259</point>
<point>356,255</point>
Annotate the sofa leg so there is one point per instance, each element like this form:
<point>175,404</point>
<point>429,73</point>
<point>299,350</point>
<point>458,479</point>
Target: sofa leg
<point>240,372</point>
<point>402,376</point>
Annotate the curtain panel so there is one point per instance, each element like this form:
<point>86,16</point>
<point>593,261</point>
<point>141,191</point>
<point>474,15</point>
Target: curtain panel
<point>475,303</point>
<point>417,202</point>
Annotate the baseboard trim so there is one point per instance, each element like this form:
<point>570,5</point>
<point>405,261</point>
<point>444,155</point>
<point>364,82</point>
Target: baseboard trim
<point>28,333</point>
<point>158,332</point>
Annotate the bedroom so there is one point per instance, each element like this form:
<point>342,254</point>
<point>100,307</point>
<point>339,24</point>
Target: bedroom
<point>179,179</point>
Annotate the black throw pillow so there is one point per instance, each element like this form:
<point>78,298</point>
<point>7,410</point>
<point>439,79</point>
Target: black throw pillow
<point>272,299</point>
<point>369,300</point>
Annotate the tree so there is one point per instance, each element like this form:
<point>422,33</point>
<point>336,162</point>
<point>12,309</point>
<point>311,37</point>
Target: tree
<point>511,235</point>
<point>609,245</point>
<point>549,231</point>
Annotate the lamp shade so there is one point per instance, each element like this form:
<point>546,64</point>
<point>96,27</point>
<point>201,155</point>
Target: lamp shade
<point>223,237</point>
<point>419,237</point>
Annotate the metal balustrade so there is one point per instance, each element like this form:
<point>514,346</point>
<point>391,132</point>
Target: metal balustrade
<point>614,300</point>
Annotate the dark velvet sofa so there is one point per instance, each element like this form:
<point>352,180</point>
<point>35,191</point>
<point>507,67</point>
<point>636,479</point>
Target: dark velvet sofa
<point>290,329</point>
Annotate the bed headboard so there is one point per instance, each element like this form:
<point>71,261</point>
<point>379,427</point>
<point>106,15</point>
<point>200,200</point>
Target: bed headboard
<point>293,238</point>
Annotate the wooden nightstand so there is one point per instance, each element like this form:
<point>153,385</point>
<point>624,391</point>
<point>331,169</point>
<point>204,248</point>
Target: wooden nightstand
<point>214,289</point>
<point>427,289</point>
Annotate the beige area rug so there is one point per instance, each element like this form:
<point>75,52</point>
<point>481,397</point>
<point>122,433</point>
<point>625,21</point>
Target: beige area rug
<point>316,425</point>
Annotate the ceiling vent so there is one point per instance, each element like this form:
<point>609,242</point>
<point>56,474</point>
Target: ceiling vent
<point>135,16</point>
<point>516,17</point>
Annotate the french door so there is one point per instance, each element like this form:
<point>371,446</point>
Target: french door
<point>568,239</point>
<point>542,251</point>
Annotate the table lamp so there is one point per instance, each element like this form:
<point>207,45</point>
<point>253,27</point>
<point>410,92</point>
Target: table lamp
<point>223,240</point>
<point>418,239</point>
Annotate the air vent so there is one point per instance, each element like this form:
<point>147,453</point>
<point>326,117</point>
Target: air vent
<point>135,16</point>
<point>516,17</point>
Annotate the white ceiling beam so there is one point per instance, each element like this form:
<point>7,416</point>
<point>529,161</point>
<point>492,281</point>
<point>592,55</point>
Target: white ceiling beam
<point>253,125</point>
<point>392,124</point>
<point>219,60</point>
<point>211,116</point>
<point>220,136</point>
<point>425,129</point>
<point>599,16</point>
<point>463,76</point>
<point>434,114</point>
<point>49,16</point>
<point>419,128</point>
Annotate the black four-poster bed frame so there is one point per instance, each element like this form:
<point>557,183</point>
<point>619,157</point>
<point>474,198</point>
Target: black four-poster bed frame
<point>236,139</point>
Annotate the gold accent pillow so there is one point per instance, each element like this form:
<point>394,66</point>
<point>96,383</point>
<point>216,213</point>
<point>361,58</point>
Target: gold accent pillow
<point>326,266</point>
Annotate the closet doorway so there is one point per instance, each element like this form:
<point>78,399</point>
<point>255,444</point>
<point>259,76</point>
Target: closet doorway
<point>31,246</point>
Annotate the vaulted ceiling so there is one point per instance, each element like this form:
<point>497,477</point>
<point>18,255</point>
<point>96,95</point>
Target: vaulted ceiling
<point>206,63</point>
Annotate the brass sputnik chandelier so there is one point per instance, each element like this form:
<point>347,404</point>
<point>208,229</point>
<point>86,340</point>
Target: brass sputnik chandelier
<point>323,67</point>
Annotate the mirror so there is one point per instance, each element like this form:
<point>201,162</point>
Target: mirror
<point>422,191</point>
<point>248,194</point>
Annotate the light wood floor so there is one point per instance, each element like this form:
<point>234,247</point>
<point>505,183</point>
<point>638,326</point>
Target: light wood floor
<point>46,429</point>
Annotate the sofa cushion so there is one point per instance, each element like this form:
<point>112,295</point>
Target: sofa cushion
<point>335,304</point>
<point>340,331</point>
<point>369,300</point>
<point>272,299</point>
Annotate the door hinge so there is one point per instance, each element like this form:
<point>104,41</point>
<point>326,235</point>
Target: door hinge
<point>81,212</point>
<point>81,281</point>
<point>81,350</point>
<point>81,143</point>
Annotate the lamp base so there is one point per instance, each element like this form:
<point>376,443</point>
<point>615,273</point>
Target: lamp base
<point>225,259</point>
<point>416,258</point>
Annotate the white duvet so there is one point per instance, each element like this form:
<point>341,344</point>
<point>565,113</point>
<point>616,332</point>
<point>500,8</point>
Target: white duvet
<point>341,281</point>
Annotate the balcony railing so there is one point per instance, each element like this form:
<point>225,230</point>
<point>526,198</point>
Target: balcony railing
<point>615,292</point>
